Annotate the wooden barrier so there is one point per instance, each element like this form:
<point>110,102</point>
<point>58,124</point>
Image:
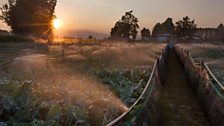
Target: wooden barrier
<point>208,90</point>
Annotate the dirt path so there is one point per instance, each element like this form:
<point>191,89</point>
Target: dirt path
<point>179,105</point>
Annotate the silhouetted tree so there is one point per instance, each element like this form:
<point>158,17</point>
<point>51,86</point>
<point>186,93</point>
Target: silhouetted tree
<point>166,27</point>
<point>29,17</point>
<point>145,33</point>
<point>157,29</point>
<point>220,31</point>
<point>126,27</point>
<point>220,28</point>
<point>90,37</point>
<point>185,27</point>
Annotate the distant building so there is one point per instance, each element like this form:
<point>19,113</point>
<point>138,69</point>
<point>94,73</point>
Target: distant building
<point>163,37</point>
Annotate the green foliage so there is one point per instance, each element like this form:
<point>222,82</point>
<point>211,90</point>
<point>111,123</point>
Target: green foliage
<point>126,27</point>
<point>165,28</point>
<point>128,85</point>
<point>29,17</point>
<point>20,107</point>
<point>185,27</point>
<point>145,33</point>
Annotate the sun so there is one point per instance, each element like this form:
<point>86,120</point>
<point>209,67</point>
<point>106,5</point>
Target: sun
<point>56,23</point>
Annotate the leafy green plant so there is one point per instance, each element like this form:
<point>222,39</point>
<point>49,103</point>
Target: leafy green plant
<point>19,106</point>
<point>128,85</point>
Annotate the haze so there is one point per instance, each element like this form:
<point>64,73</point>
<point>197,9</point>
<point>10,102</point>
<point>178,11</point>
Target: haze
<point>97,17</point>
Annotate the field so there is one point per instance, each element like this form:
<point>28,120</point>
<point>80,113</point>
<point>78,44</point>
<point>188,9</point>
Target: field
<point>82,84</point>
<point>11,50</point>
<point>213,54</point>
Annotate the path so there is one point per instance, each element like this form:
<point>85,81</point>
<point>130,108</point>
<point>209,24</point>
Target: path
<point>179,105</point>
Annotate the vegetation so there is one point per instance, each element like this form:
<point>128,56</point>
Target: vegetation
<point>211,34</point>
<point>127,85</point>
<point>185,27</point>
<point>97,84</point>
<point>210,53</point>
<point>220,31</point>
<point>29,17</point>
<point>145,33</point>
<point>21,103</point>
<point>165,28</point>
<point>90,37</point>
<point>221,27</point>
<point>20,107</point>
<point>126,27</point>
<point>156,29</point>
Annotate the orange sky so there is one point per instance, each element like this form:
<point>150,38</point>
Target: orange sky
<point>100,15</point>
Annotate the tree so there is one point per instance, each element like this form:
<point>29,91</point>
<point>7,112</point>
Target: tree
<point>220,31</point>
<point>221,28</point>
<point>90,37</point>
<point>166,27</point>
<point>157,29</point>
<point>145,33</point>
<point>29,17</point>
<point>126,27</point>
<point>185,27</point>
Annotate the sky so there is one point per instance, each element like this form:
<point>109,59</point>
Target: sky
<point>99,16</point>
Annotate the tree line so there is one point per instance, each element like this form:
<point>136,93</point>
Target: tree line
<point>210,34</point>
<point>127,27</point>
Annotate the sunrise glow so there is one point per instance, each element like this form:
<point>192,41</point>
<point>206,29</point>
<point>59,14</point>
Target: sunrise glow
<point>56,23</point>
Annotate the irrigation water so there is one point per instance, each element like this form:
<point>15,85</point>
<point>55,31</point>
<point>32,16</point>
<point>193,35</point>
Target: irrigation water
<point>56,84</point>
